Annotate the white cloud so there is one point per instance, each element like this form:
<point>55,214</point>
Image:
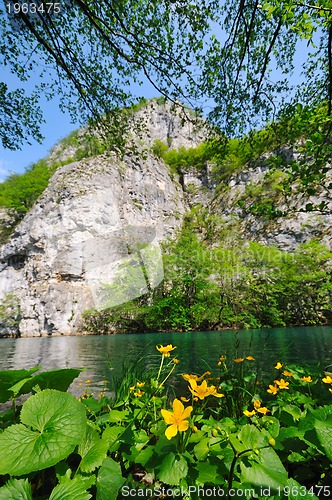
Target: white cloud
<point>4,172</point>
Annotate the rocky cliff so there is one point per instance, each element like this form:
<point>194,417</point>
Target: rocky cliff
<point>97,216</point>
<point>92,238</point>
<point>258,184</point>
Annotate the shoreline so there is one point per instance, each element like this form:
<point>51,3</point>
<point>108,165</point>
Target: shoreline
<point>80,333</point>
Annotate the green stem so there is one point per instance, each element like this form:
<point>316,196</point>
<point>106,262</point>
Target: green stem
<point>231,470</point>
<point>160,367</point>
<point>170,373</point>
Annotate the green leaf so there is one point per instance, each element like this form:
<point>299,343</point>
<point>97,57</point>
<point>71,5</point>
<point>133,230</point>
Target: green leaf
<point>272,425</point>
<point>324,434</point>
<point>93,450</point>
<point>144,456</point>
<point>265,469</point>
<point>109,480</point>
<point>296,457</point>
<point>16,489</point>
<point>54,379</point>
<point>293,410</point>
<point>24,382</point>
<point>173,468</point>
<point>70,489</point>
<point>252,438</point>
<point>202,449</point>
<point>54,425</point>
<point>116,416</point>
<point>111,435</point>
<point>17,388</point>
<point>208,474</point>
<point>297,492</point>
<point>9,378</point>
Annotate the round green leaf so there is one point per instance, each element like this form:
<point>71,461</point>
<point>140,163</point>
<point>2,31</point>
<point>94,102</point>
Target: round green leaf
<point>54,425</point>
<point>173,469</point>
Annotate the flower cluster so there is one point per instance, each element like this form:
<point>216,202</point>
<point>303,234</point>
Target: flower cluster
<point>177,420</point>
<point>203,390</point>
<point>248,358</point>
<point>282,384</point>
<point>137,388</point>
<point>257,408</point>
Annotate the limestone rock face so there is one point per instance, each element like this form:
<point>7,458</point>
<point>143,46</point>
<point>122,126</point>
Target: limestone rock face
<point>97,218</point>
<point>80,231</point>
<point>295,227</point>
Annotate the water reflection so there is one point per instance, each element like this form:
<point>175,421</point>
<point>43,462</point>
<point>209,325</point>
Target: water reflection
<point>103,357</point>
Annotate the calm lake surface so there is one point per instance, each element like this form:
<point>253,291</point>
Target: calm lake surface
<point>103,356</point>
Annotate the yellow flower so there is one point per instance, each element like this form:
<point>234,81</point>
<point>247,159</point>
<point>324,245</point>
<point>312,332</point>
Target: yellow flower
<point>176,360</point>
<point>165,350</point>
<point>272,389</point>
<point>177,419</point>
<point>88,381</point>
<point>257,404</point>
<point>139,393</point>
<point>140,384</point>
<point>287,374</point>
<point>330,390</point>
<point>221,359</point>
<point>306,379</point>
<point>202,391</point>
<point>238,360</point>
<point>250,358</point>
<point>185,400</point>
<point>187,376</point>
<point>249,413</point>
<point>327,379</point>
<point>263,410</point>
<point>278,366</point>
<point>132,388</point>
<point>282,384</point>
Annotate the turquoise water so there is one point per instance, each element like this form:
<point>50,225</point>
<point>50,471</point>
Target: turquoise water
<point>103,356</point>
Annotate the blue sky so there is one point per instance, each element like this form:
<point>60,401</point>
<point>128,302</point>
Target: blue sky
<point>57,126</point>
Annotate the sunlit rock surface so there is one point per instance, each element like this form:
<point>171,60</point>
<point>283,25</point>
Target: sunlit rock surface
<point>99,223</point>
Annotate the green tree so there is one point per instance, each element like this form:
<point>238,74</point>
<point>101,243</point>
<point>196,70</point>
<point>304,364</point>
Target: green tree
<point>207,51</point>
<point>91,53</point>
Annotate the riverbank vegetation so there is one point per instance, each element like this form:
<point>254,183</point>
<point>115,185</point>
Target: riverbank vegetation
<point>230,283</point>
<point>233,430</point>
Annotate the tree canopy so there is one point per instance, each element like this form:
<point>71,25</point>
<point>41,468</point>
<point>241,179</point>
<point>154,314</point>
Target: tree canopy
<point>234,57</point>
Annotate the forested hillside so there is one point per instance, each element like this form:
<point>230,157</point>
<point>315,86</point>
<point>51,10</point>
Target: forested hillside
<point>244,229</point>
